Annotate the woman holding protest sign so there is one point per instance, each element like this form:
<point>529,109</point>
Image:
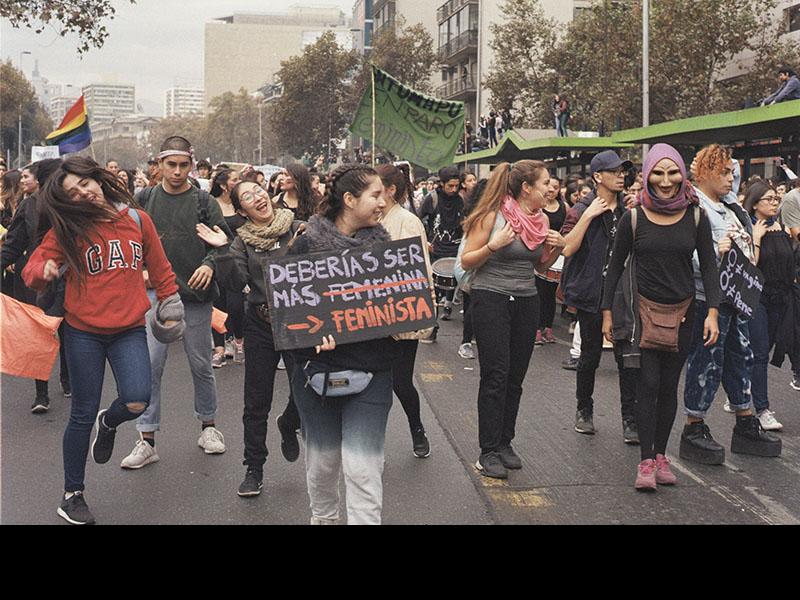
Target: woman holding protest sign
<point>347,432</point>
<point>508,240</point>
<point>402,224</point>
<point>265,235</point>
<point>662,235</point>
<point>103,244</point>
<point>775,259</point>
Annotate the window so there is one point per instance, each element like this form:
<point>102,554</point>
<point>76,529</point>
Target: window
<point>792,18</point>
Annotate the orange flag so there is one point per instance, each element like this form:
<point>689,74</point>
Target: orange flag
<point>28,340</point>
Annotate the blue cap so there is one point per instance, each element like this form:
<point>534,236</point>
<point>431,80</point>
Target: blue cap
<point>608,160</point>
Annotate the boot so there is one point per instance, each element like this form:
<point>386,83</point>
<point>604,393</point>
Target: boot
<point>750,438</point>
<point>697,445</point>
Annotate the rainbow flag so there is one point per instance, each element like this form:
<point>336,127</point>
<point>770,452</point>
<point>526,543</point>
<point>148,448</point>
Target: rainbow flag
<point>73,134</point>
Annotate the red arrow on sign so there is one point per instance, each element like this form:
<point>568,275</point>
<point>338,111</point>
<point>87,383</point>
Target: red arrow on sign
<point>313,327</point>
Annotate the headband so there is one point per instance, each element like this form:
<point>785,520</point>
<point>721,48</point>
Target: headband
<point>167,153</point>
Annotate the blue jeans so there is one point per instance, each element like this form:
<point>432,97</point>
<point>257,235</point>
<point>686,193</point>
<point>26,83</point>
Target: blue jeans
<point>345,434</point>
<point>729,361</point>
<point>197,345</point>
<point>86,360</point>
<point>763,330</point>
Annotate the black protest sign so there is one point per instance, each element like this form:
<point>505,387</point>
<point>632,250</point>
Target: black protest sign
<point>741,282</point>
<point>353,295</point>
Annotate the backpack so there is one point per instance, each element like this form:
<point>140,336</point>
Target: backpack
<point>201,196</point>
<point>463,277</point>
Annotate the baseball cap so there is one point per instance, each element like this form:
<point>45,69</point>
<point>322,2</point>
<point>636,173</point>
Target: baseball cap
<point>608,160</point>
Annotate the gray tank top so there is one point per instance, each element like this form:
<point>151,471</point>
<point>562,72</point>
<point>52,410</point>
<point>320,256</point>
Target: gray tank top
<point>510,271</point>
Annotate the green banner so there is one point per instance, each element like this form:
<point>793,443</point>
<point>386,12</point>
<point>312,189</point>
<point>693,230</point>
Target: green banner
<point>415,127</point>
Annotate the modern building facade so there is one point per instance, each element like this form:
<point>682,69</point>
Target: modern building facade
<point>59,105</point>
<point>182,101</point>
<point>364,24</point>
<point>106,101</point>
<point>246,50</point>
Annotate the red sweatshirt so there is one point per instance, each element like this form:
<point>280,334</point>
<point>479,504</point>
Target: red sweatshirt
<point>113,298</point>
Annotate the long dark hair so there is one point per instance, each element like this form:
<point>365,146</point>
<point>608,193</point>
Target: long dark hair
<point>220,179</point>
<point>307,198</point>
<point>272,188</point>
<point>10,196</point>
<point>74,221</point>
<point>347,178</point>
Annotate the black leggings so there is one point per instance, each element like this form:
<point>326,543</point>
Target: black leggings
<point>468,332</point>
<point>403,381</point>
<point>657,397</point>
<point>547,297</point>
<point>233,304</point>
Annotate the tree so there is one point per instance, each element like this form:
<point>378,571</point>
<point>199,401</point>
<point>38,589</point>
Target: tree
<point>311,110</point>
<point>597,61</point>
<point>232,126</point>
<point>18,97</point>
<point>84,18</point>
<point>520,43</point>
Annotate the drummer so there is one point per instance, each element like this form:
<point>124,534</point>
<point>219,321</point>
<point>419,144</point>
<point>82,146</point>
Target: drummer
<point>547,283</point>
<point>442,211</point>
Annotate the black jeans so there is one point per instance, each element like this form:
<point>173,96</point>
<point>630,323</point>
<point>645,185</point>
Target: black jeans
<point>467,329</point>
<point>233,304</point>
<point>505,329</point>
<point>591,352</point>
<point>403,381</point>
<point>547,297</point>
<point>657,397</point>
<point>259,382</point>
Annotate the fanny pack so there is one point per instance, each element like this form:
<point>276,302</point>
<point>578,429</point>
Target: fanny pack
<point>335,384</point>
<point>661,323</point>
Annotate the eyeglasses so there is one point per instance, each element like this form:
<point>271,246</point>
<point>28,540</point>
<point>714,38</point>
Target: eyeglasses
<point>771,199</point>
<point>251,196</point>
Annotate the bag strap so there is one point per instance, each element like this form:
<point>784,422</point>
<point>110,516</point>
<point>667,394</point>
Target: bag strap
<point>634,215</point>
<point>202,205</point>
<point>135,216</point>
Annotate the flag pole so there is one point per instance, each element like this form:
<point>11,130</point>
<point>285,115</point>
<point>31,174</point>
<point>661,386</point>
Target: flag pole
<point>374,147</point>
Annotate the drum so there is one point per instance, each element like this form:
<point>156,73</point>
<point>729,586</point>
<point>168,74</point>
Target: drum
<point>553,274</point>
<point>443,274</point>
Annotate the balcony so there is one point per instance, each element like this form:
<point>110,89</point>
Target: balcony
<point>378,27</point>
<point>458,47</point>
<point>461,88</point>
<point>451,8</point>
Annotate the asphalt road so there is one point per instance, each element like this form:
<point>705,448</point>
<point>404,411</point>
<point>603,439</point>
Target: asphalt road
<point>567,478</point>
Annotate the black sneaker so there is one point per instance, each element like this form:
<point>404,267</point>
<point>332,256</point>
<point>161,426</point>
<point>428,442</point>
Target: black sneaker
<point>74,510</point>
<point>41,404</point>
<point>697,445</point>
<point>490,465</point>
<point>447,313</point>
<point>431,339</point>
<point>630,432</point>
<point>252,484</point>
<point>509,458</point>
<point>290,447</point>
<point>749,437</point>
<point>422,447</point>
<point>571,364</point>
<point>66,389</point>
<point>584,422</point>
<point>103,444</point>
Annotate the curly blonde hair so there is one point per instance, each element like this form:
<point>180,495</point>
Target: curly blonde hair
<point>711,161</point>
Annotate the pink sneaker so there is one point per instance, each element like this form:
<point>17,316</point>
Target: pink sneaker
<point>549,338</point>
<point>646,475</point>
<point>539,340</point>
<point>663,474</point>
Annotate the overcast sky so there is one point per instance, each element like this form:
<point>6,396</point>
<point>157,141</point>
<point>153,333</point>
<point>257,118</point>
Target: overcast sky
<point>153,44</point>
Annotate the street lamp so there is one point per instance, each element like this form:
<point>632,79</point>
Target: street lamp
<point>19,134</point>
<point>645,70</point>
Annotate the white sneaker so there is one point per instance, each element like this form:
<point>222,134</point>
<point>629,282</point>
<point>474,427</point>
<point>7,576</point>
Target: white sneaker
<point>768,421</point>
<point>466,351</point>
<point>142,455</point>
<point>211,441</point>
<point>727,407</point>
<point>281,365</point>
<point>238,352</point>
<point>230,349</point>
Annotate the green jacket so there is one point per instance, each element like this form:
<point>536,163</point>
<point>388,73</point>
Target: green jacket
<point>175,218</point>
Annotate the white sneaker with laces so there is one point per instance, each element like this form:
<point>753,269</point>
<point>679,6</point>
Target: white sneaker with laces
<point>212,441</point>
<point>466,351</point>
<point>142,455</point>
<point>727,407</point>
<point>768,421</point>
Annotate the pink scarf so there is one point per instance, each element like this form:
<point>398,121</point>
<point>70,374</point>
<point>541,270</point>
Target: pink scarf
<point>531,228</point>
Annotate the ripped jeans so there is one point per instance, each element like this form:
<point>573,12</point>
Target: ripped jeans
<point>729,361</point>
<point>87,353</point>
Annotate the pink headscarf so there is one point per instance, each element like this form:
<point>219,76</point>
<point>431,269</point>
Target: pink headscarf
<point>686,194</point>
<point>531,228</point>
